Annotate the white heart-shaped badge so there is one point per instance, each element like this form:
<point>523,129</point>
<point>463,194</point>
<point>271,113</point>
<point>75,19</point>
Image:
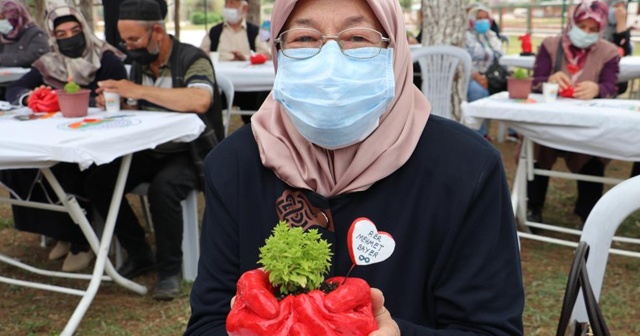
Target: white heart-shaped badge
<point>367,245</point>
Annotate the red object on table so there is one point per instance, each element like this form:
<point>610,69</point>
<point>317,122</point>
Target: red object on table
<point>567,92</point>
<point>43,100</point>
<point>344,311</point>
<point>258,58</point>
<point>526,44</point>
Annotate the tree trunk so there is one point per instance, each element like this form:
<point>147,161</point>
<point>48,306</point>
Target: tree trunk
<point>445,22</point>
<point>176,18</point>
<point>253,15</point>
<point>39,12</point>
<point>86,8</point>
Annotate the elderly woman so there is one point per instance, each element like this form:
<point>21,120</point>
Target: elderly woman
<point>79,54</point>
<point>586,66</point>
<point>76,52</point>
<point>345,134</point>
<point>21,41</point>
<point>484,46</point>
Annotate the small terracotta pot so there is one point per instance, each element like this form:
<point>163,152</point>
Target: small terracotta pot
<point>74,105</point>
<point>519,88</point>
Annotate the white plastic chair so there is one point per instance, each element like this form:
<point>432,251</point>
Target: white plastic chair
<point>603,221</point>
<point>226,87</point>
<point>190,233</point>
<point>438,65</point>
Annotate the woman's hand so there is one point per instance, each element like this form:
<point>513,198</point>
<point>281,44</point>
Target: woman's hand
<point>620,14</point>
<point>561,78</point>
<point>386,325</point>
<point>100,101</point>
<point>481,79</point>
<point>586,90</point>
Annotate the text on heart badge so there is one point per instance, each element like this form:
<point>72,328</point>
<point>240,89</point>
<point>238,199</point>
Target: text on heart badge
<point>367,245</point>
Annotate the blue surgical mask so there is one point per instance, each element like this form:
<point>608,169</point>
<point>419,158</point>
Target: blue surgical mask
<point>333,100</point>
<point>5,27</point>
<point>482,26</point>
<point>582,39</point>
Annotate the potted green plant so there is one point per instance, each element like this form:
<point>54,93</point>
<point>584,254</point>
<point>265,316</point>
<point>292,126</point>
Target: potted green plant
<point>74,100</point>
<point>519,84</point>
<point>289,296</point>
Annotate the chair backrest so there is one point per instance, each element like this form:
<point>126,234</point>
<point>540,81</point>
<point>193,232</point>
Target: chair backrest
<point>226,86</point>
<point>603,221</point>
<point>438,65</point>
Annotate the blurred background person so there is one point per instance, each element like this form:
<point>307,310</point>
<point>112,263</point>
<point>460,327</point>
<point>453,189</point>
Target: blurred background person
<point>236,39</point>
<point>581,60</point>
<point>21,40</point>
<point>76,53</point>
<point>484,46</point>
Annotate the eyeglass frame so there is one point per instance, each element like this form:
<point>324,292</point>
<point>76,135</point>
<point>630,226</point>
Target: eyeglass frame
<point>279,42</point>
<point>125,45</point>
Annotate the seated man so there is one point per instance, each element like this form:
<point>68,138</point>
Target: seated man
<point>236,39</point>
<point>165,75</point>
<point>79,54</point>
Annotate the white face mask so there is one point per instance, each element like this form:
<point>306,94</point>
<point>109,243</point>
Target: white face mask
<point>5,27</point>
<point>582,39</point>
<point>231,15</point>
<point>335,101</point>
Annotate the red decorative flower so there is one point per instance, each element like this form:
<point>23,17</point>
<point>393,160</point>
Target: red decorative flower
<point>573,69</point>
<point>43,100</point>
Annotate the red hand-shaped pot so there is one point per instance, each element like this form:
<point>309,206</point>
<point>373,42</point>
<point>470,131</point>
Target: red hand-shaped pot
<point>344,311</point>
<point>43,100</point>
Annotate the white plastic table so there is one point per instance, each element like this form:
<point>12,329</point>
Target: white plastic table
<point>96,139</point>
<point>11,74</point>
<point>247,77</point>
<point>602,127</point>
<point>629,65</point>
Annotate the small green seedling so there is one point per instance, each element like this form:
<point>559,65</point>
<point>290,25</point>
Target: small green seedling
<point>520,74</point>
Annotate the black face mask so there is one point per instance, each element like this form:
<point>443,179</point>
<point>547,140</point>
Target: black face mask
<point>142,56</point>
<point>73,46</point>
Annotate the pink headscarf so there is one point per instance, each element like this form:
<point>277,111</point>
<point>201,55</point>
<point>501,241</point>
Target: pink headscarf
<point>302,164</point>
<point>587,9</point>
<point>18,15</point>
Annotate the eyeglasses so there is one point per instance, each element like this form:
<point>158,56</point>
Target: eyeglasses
<point>134,44</point>
<point>303,43</point>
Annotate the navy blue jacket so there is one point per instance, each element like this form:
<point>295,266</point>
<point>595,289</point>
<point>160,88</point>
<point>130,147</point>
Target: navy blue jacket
<point>456,266</point>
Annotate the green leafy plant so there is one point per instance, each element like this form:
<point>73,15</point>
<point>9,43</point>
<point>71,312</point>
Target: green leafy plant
<point>295,260</point>
<point>520,74</point>
<point>71,86</point>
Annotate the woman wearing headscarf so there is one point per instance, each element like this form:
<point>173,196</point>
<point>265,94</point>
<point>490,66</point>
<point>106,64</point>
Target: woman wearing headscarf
<point>21,40</point>
<point>484,46</point>
<point>345,134</point>
<point>586,65</point>
<point>78,54</point>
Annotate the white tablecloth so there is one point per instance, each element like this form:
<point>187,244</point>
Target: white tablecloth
<point>603,127</point>
<point>247,77</point>
<point>98,138</point>
<point>629,65</point>
<point>8,74</point>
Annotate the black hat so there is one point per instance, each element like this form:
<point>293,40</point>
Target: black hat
<point>143,10</point>
<point>62,19</point>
